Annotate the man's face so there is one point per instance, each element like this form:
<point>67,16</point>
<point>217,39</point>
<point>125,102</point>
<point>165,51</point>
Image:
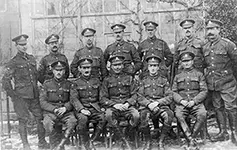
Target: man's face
<point>85,70</point>
<point>151,32</point>
<point>186,64</point>
<point>58,73</point>
<point>21,47</point>
<point>117,68</point>
<point>53,46</point>
<point>88,40</point>
<point>212,32</point>
<point>153,69</point>
<point>119,35</point>
<point>188,31</point>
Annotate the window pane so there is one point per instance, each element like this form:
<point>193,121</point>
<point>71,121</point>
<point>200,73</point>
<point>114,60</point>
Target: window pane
<point>95,6</point>
<point>124,5</point>
<point>3,5</point>
<point>39,7</point>
<point>110,6</point>
<point>53,7</point>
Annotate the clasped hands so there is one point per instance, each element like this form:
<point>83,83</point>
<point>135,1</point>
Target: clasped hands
<point>188,104</point>
<point>121,107</point>
<point>60,111</point>
<point>153,106</point>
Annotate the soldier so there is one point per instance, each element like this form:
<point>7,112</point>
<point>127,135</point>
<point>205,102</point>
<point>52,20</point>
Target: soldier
<point>20,83</point>
<point>221,59</point>
<point>156,46</point>
<point>45,68</point>
<point>90,50</point>
<point>85,99</point>
<point>124,48</point>
<point>57,109</point>
<point>155,97</point>
<point>118,96</point>
<point>189,92</point>
<point>190,43</point>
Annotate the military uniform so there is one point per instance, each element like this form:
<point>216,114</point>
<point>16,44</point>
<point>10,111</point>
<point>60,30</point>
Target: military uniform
<point>221,57</point>
<point>55,94</point>
<point>124,48</point>
<point>192,44</point>
<point>157,46</point>
<point>85,95</point>
<point>119,89</point>
<point>190,86</point>
<point>45,69</point>
<point>155,89</point>
<point>20,83</point>
<point>99,65</point>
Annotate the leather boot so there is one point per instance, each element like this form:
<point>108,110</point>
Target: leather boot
<point>41,136</point>
<point>197,127</point>
<point>233,125</point>
<point>223,134</point>
<point>95,135</point>
<point>66,136</point>
<point>23,134</point>
<point>165,129</point>
<point>85,140</point>
<point>147,137</point>
<point>55,137</point>
<point>122,136</point>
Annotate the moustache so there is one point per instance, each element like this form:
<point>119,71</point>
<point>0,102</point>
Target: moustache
<point>55,47</point>
<point>87,72</point>
<point>187,31</point>
<point>210,34</point>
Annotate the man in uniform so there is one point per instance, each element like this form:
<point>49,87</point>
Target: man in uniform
<point>156,46</point>
<point>85,99</point>
<point>45,69</point>
<point>189,92</point>
<point>155,97</point>
<point>221,59</point>
<point>20,83</point>
<point>90,50</point>
<point>56,106</point>
<point>120,46</point>
<point>190,43</point>
<point>118,96</point>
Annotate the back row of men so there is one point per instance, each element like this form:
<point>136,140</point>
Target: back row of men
<point>200,68</point>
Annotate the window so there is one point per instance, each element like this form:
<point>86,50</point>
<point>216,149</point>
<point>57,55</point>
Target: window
<point>3,5</point>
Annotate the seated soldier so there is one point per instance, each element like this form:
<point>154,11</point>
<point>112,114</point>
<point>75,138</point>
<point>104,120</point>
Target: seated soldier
<point>85,99</point>
<point>56,106</point>
<point>189,92</point>
<point>118,96</point>
<point>154,99</point>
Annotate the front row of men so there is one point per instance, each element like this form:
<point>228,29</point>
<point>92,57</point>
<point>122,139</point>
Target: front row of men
<point>119,95</point>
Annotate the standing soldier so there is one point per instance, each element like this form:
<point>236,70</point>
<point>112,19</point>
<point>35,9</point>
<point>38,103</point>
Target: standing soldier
<point>85,99</point>
<point>45,68</point>
<point>189,92</point>
<point>124,48</point>
<point>156,46</point>
<point>90,50</point>
<point>221,57</point>
<point>118,96</point>
<point>20,83</point>
<point>190,43</point>
<point>155,97</point>
<point>57,109</point>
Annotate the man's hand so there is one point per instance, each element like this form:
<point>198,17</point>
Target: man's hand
<point>184,103</point>
<point>86,112</point>
<point>190,104</point>
<point>118,106</point>
<point>61,111</point>
<point>152,105</point>
<point>125,106</point>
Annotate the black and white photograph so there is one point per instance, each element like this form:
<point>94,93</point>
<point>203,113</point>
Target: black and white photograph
<point>118,74</point>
